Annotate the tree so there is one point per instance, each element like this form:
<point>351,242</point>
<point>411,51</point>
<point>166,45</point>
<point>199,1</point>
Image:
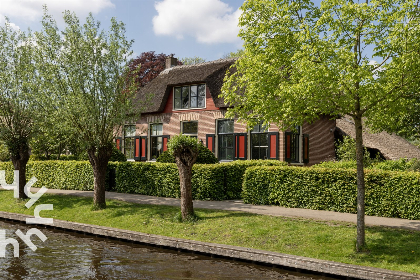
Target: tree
<point>301,61</point>
<point>18,82</point>
<point>185,151</point>
<point>238,53</point>
<point>84,72</point>
<point>192,60</point>
<point>151,65</point>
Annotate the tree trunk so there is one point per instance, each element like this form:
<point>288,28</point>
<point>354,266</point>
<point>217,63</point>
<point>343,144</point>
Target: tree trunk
<point>19,151</point>
<point>360,243</point>
<point>99,164</point>
<point>185,175</point>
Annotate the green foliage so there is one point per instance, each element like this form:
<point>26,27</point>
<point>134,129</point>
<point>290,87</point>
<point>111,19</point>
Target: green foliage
<point>238,53</point>
<point>117,155</point>
<point>166,157</point>
<point>4,152</point>
<point>192,60</point>
<point>388,194</point>
<point>235,170</point>
<point>205,156</point>
<point>350,164</point>
<point>162,179</point>
<point>180,143</point>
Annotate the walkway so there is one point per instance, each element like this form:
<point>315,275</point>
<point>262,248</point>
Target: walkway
<point>238,205</point>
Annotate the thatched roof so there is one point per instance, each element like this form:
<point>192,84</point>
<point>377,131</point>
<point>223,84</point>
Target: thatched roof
<point>211,73</point>
<point>391,146</point>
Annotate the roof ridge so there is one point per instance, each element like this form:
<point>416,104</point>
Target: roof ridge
<point>179,67</point>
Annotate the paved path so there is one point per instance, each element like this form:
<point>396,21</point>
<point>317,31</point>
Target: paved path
<point>238,205</point>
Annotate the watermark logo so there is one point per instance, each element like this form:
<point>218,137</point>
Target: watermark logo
<point>26,238</point>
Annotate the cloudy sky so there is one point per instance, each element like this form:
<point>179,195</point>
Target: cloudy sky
<point>187,28</point>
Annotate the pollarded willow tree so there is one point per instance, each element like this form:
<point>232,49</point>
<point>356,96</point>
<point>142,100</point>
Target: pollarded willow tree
<point>18,85</point>
<point>342,58</point>
<point>83,69</point>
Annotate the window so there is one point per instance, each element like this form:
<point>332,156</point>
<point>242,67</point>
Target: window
<point>293,145</point>
<point>190,128</point>
<point>259,142</point>
<point>129,134</point>
<point>226,147</point>
<point>189,97</point>
<point>156,140</point>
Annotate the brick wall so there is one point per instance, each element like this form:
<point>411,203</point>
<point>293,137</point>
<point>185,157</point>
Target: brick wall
<point>321,140</point>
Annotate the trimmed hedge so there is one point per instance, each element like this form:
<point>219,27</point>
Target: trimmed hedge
<point>162,179</point>
<point>234,174</point>
<point>388,194</point>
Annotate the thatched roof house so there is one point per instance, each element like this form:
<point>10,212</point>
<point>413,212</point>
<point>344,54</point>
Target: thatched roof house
<point>211,73</point>
<point>390,146</point>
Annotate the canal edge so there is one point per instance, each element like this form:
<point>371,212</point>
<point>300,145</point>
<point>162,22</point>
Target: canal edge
<point>229,251</point>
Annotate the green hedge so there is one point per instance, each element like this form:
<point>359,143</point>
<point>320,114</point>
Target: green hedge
<point>162,179</point>
<point>388,194</point>
<point>234,174</point>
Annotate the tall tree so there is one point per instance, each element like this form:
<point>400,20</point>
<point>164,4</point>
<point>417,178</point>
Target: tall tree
<point>192,60</point>
<point>83,69</point>
<point>18,82</point>
<point>151,65</point>
<point>301,61</point>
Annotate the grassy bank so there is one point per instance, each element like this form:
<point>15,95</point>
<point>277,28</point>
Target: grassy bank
<point>387,248</point>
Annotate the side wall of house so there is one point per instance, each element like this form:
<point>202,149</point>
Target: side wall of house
<point>321,140</point>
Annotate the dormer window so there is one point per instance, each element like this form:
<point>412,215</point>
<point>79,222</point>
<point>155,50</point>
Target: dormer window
<point>190,97</point>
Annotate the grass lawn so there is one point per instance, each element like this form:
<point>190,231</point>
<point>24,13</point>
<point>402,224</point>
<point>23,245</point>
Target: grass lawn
<point>335,241</point>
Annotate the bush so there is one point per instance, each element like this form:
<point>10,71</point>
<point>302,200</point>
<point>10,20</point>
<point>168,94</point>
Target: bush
<point>234,174</point>
<point>388,194</point>
<point>117,155</point>
<point>205,156</point>
<point>350,164</point>
<point>394,165</point>
<point>346,151</point>
<point>166,157</point>
<point>162,179</point>
<point>4,152</point>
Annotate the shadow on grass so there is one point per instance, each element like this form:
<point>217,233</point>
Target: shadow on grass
<point>396,246</point>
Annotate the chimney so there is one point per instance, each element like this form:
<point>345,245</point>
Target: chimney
<point>171,61</point>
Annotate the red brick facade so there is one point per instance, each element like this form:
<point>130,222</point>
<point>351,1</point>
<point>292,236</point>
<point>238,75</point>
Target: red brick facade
<point>321,132</point>
<point>319,135</point>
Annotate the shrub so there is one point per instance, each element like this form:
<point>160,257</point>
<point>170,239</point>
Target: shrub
<point>393,165</point>
<point>205,156</point>
<point>346,151</point>
<point>4,152</point>
<point>234,174</point>
<point>166,157</point>
<point>117,155</point>
<point>162,179</point>
<point>388,193</point>
<point>350,164</point>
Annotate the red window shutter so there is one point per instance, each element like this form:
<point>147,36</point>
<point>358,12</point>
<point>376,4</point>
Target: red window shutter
<point>165,139</point>
<point>118,143</point>
<point>210,142</point>
<point>288,146</point>
<point>273,145</point>
<point>241,146</point>
<point>137,147</point>
<point>305,148</point>
<point>143,148</point>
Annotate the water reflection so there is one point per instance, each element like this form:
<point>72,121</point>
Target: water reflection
<point>75,256</point>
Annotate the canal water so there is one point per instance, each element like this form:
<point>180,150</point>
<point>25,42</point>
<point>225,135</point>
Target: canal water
<point>68,255</point>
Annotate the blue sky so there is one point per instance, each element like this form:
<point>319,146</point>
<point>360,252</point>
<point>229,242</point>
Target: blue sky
<point>187,28</point>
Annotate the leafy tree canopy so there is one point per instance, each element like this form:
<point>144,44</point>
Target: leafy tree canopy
<point>151,65</point>
<point>192,60</point>
<point>342,58</point>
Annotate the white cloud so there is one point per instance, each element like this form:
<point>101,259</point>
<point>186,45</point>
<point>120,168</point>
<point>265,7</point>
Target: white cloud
<point>31,10</point>
<point>209,21</point>
<point>3,21</point>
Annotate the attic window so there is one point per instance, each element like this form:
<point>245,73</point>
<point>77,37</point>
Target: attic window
<point>190,97</point>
